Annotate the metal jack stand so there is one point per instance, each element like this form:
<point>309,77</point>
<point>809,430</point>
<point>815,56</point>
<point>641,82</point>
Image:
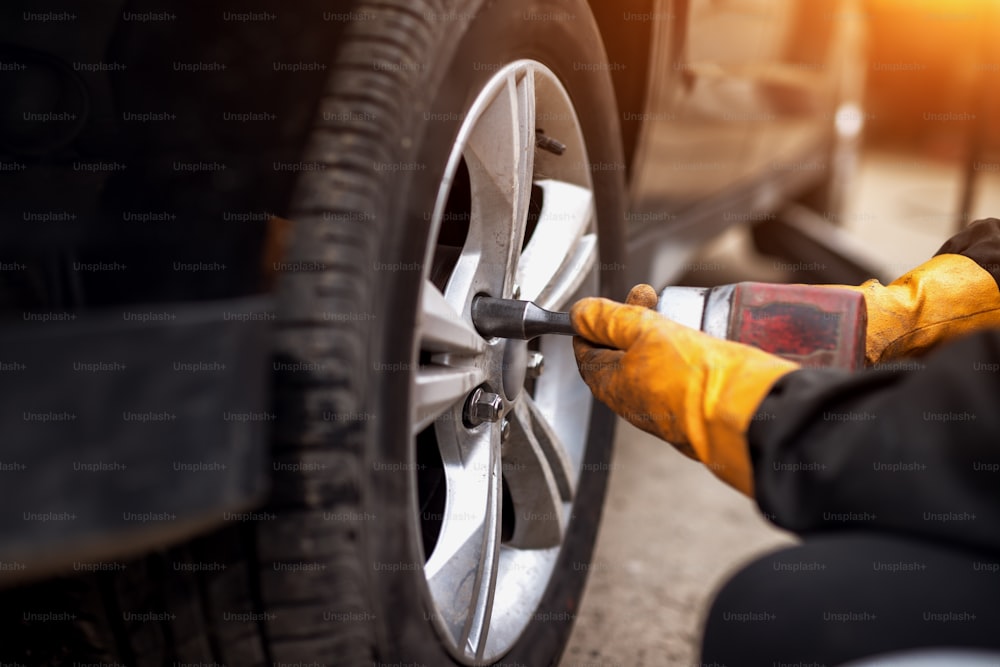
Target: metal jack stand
<point>826,252</point>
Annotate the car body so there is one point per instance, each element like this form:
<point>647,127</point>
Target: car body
<point>144,394</point>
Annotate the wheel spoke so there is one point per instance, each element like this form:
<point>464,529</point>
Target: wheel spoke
<point>537,472</point>
<point>578,267</point>
<point>525,130</point>
<point>439,388</point>
<point>564,231</point>
<point>500,156</point>
<point>553,449</point>
<point>562,402</point>
<point>442,329</point>
<point>462,571</point>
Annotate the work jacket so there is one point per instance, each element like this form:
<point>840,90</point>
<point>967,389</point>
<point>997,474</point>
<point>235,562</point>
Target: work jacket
<point>909,447</point>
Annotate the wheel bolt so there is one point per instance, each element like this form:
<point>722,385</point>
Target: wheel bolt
<point>504,430</point>
<point>483,407</point>
<point>536,364</point>
<point>547,143</point>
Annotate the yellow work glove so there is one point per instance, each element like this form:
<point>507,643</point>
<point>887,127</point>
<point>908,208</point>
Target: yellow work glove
<point>947,297</point>
<point>694,391</point>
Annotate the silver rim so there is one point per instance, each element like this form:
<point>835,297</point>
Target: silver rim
<point>529,230</point>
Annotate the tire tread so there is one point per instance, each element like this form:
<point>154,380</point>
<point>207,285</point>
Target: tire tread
<point>195,606</point>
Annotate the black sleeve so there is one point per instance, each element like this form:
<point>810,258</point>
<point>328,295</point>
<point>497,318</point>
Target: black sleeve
<point>980,242</point>
<point>914,449</point>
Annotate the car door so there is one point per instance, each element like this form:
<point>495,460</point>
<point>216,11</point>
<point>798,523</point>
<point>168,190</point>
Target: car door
<point>798,79</point>
<point>695,141</point>
<point>696,137</point>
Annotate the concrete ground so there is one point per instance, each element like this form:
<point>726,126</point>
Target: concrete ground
<point>671,532</point>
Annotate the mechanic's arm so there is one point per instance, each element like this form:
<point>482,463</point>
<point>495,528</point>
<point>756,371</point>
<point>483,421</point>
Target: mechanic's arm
<point>914,449</point>
<point>755,419</point>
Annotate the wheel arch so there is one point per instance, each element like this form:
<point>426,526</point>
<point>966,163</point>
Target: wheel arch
<point>629,42</point>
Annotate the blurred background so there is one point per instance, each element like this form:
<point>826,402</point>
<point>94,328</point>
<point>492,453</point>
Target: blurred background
<point>930,162</point>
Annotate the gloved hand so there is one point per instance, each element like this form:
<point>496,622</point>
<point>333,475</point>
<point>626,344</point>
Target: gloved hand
<point>942,299</point>
<point>697,392</point>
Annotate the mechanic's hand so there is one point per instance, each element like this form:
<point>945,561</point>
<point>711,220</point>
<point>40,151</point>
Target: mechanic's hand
<point>697,392</point>
<point>942,299</point>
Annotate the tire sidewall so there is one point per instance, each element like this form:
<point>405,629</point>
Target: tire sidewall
<point>483,36</point>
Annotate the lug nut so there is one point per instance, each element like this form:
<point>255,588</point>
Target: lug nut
<point>483,407</point>
<point>536,364</point>
<point>547,143</point>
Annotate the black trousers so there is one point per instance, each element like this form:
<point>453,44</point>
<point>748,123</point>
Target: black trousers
<point>838,598</point>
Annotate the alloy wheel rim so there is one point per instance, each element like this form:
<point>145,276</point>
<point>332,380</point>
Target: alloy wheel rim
<point>508,480</point>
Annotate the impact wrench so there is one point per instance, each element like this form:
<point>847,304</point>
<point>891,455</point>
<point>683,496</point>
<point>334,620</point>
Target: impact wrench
<point>817,327</point>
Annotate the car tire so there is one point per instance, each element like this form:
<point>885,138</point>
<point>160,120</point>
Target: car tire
<point>332,570</point>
